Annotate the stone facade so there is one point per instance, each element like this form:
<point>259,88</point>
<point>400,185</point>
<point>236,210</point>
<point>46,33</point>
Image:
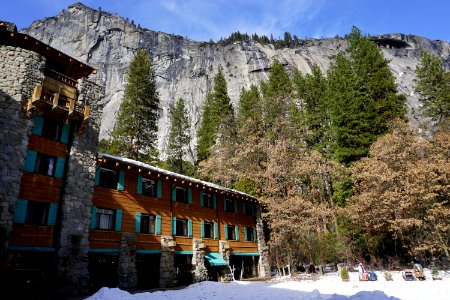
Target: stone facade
<point>76,205</point>
<point>263,250</point>
<point>127,262</point>
<point>20,71</point>
<point>167,271</point>
<point>199,271</point>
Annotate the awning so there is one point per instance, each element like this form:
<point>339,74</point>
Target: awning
<point>215,259</point>
<point>245,253</point>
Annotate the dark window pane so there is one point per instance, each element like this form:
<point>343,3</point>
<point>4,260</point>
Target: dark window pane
<point>248,209</point>
<point>181,194</point>
<point>231,233</point>
<point>229,205</point>
<point>108,178</point>
<point>45,164</point>
<point>208,201</point>
<point>249,236</point>
<point>148,187</point>
<point>37,213</point>
<point>51,130</point>
<point>147,223</point>
<point>208,230</point>
<point>181,227</point>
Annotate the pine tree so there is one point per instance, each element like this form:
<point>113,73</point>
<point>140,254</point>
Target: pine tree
<point>433,87</point>
<point>250,108</point>
<point>363,98</point>
<point>135,133</point>
<point>179,138</point>
<point>217,109</point>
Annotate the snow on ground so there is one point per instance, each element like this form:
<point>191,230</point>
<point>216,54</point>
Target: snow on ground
<point>329,286</point>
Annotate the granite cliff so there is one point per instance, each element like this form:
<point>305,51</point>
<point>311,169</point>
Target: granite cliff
<point>186,68</point>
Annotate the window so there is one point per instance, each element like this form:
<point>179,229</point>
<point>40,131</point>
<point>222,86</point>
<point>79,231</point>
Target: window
<point>148,187</point>
<point>45,165</point>
<point>147,223</point>
<point>107,178</point>
<point>208,200</point>
<point>249,234</point>
<point>181,227</point>
<point>181,194</point>
<point>51,130</point>
<point>37,213</point>
<point>229,205</point>
<point>230,232</point>
<point>104,219</point>
<point>249,209</point>
<point>208,230</point>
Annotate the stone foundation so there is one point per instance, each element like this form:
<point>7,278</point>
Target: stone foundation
<point>199,271</point>
<point>263,250</point>
<point>167,271</point>
<point>127,262</point>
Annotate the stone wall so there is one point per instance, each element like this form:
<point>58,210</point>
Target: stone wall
<point>20,71</point>
<point>263,250</point>
<point>127,261</point>
<point>73,246</point>
<point>199,271</point>
<point>167,271</point>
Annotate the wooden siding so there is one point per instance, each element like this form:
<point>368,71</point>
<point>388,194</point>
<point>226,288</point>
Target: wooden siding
<point>38,187</point>
<point>131,202</point>
<point>46,146</point>
<point>31,236</point>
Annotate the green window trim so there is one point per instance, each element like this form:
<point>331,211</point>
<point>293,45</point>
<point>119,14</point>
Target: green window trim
<point>118,220</point>
<point>189,227</point>
<point>159,189</point>
<point>236,228</point>
<point>65,134</point>
<point>138,222</point>
<point>139,185</point>
<point>120,184</point>
<point>59,172</point>
<point>158,225</point>
<point>93,217</point>
<point>38,125</point>
<point>216,231</point>
<point>52,213</point>
<point>174,226</point>
<point>189,191</point>
<point>30,161</point>
<point>21,211</point>
<point>202,229</point>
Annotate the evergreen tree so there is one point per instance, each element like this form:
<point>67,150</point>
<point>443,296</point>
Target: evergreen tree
<point>363,98</point>
<point>216,111</point>
<point>433,87</point>
<point>179,138</point>
<point>135,133</point>
<point>250,108</point>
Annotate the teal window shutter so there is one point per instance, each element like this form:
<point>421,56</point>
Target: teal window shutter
<point>65,134</point>
<point>237,233</point>
<point>201,199</point>
<point>52,214</point>
<point>189,227</point>
<point>93,217</point>
<point>159,189</point>
<point>38,125</point>
<point>254,235</point>
<point>243,208</point>
<point>216,231</point>
<point>139,185</point>
<point>174,192</point>
<point>253,211</point>
<point>59,167</point>
<point>21,211</point>
<point>226,231</point>
<point>235,205</point>
<point>189,195</point>
<point>120,184</point>
<point>97,176</point>
<point>118,219</point>
<point>174,226</point>
<point>214,201</point>
<point>158,224</point>
<point>202,228</point>
<point>245,234</point>
<point>225,204</point>
<point>138,222</point>
<point>30,161</point>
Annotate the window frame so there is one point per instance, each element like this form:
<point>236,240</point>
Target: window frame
<point>55,126</point>
<point>40,157</point>
<point>229,208</point>
<point>98,218</point>
<point>231,229</point>
<point>210,200</point>
<point>113,185</point>
<point>154,185</point>
<point>251,235</point>
<point>185,227</point>
<point>185,194</point>
<point>211,230</point>
<point>149,227</point>
<point>33,207</point>
<point>248,206</point>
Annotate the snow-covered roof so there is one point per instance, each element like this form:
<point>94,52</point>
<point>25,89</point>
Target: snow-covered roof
<point>172,174</point>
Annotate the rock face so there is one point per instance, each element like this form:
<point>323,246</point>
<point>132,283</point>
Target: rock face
<point>186,68</point>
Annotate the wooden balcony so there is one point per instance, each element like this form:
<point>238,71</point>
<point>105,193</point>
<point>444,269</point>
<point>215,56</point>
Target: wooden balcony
<point>58,98</point>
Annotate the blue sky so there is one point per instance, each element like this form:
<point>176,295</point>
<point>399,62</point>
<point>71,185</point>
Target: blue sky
<point>211,19</point>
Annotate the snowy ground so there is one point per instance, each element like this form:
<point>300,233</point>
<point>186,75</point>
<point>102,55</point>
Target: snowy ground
<point>329,286</point>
